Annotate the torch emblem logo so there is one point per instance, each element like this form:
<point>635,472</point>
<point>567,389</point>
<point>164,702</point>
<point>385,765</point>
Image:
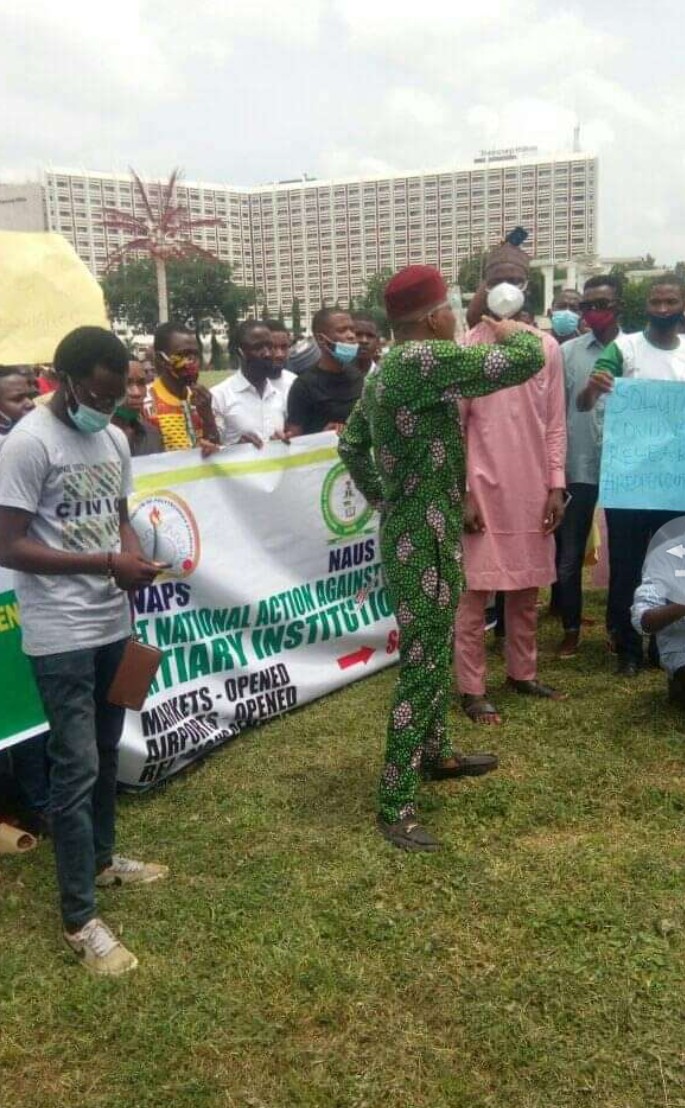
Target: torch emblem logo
<point>168,532</point>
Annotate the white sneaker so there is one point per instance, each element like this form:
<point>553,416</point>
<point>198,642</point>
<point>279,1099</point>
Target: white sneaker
<point>100,952</point>
<point>126,871</point>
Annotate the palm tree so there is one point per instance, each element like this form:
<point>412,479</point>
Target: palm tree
<point>163,232</point>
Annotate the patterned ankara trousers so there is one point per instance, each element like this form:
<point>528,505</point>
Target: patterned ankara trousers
<point>424,582</point>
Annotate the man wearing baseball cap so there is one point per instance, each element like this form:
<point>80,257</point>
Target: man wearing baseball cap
<point>403,447</point>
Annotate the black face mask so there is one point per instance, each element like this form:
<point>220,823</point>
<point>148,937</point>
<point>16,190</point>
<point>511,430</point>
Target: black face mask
<point>663,322</point>
<point>262,366</point>
<point>258,364</point>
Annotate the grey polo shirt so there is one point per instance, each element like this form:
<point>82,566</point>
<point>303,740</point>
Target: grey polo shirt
<point>584,429</point>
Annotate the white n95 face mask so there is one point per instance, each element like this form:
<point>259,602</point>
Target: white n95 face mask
<point>505,300</point>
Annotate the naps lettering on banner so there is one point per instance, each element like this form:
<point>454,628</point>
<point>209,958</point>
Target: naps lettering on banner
<point>168,532</point>
<point>162,598</point>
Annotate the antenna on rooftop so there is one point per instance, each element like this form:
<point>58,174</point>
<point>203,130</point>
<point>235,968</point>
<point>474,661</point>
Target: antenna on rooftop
<point>576,139</point>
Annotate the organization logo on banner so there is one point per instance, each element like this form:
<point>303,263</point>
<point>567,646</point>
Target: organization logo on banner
<point>167,531</point>
<point>344,509</point>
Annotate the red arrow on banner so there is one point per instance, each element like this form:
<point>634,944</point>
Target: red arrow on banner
<point>360,656</point>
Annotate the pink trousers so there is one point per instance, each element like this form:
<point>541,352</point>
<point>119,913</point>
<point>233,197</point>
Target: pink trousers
<point>520,617</point>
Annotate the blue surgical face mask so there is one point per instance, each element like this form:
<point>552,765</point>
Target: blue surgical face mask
<point>88,420</point>
<point>565,322</point>
<point>344,352</point>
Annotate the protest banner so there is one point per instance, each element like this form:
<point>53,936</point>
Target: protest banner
<point>45,291</point>
<point>275,597</point>
<point>21,711</point>
<point>643,453</point>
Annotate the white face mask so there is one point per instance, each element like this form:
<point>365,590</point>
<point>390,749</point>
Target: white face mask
<point>505,300</point>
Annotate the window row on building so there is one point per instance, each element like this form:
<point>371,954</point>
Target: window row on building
<point>319,241</point>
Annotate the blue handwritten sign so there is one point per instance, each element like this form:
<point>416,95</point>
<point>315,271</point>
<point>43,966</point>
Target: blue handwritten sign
<point>643,455</point>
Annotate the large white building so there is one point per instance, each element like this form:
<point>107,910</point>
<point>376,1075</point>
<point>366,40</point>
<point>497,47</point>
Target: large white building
<point>318,241</point>
<point>22,207</point>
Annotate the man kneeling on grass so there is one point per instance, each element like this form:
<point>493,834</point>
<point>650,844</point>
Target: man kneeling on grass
<point>654,614</point>
<point>64,528</point>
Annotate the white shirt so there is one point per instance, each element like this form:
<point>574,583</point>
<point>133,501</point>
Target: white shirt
<point>642,359</point>
<point>284,382</point>
<point>239,409</point>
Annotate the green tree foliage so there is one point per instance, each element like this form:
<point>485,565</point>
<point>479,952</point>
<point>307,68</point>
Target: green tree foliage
<point>471,272</point>
<point>633,298</point>
<point>372,302</point>
<point>535,293</point>
<point>198,289</point>
<point>131,294</point>
<point>297,318</point>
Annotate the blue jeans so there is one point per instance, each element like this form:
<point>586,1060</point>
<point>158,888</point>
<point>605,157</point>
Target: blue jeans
<point>30,771</point>
<point>630,533</point>
<point>82,752</point>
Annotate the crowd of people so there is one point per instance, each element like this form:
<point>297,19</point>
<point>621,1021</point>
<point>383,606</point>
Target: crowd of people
<point>481,454</point>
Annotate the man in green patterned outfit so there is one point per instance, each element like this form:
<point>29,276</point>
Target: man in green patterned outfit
<point>403,447</point>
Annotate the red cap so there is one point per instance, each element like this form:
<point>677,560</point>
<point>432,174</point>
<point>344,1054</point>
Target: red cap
<point>412,289</point>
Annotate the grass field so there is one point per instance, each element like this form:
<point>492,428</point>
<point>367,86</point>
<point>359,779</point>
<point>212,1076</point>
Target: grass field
<point>295,959</point>
<point>212,377</point>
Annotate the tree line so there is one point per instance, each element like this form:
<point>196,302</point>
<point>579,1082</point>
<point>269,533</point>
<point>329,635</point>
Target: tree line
<point>200,289</point>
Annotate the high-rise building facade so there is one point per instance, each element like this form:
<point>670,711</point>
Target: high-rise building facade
<point>22,207</point>
<point>319,240</point>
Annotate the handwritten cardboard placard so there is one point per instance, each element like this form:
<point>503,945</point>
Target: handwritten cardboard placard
<point>45,291</point>
<point>643,454</point>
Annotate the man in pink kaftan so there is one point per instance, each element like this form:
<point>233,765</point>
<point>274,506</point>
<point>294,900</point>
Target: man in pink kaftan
<point>516,453</point>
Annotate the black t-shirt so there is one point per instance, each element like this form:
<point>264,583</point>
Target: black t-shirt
<point>318,397</point>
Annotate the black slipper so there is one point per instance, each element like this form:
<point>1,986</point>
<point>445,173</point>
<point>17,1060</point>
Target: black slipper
<point>407,834</point>
<point>468,765</point>
<point>535,688</point>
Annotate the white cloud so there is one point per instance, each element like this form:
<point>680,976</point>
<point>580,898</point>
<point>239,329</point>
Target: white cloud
<point>384,27</point>
<point>503,43</point>
<point>251,90</point>
<point>92,44</point>
<point>415,107</point>
<point>612,97</point>
<point>214,29</point>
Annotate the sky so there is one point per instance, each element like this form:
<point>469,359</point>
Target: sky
<point>250,91</point>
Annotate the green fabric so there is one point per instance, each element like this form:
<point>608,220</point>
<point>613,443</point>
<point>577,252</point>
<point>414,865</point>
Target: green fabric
<point>611,360</point>
<point>403,447</point>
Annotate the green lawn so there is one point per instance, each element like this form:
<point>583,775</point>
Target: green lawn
<point>211,377</point>
<point>295,960</point>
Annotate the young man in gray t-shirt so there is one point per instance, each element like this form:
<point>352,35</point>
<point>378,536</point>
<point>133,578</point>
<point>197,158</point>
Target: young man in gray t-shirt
<point>65,474</point>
